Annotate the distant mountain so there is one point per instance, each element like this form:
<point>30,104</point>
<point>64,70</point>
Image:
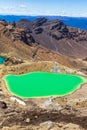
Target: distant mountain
<point>77,22</point>
<point>18,43</point>
<point>56,36</point>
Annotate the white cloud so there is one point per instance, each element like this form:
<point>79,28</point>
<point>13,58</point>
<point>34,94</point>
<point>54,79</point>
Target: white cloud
<point>6,8</point>
<point>15,9</point>
<point>23,9</point>
<point>23,6</point>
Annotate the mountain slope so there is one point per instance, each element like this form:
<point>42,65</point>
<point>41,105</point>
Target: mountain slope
<point>44,40</point>
<point>56,36</point>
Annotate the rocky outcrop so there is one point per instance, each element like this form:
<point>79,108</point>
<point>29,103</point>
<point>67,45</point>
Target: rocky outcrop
<point>39,22</point>
<point>16,34</point>
<point>12,61</point>
<point>38,30</point>
<point>3,105</point>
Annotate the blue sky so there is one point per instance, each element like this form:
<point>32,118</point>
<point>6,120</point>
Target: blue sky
<point>44,7</point>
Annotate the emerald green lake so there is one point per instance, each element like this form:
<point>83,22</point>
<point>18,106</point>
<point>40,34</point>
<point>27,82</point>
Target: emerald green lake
<point>2,59</point>
<point>43,84</point>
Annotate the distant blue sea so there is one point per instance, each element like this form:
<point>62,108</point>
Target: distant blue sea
<point>77,22</point>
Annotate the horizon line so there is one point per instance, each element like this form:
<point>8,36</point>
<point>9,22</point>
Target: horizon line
<point>43,15</point>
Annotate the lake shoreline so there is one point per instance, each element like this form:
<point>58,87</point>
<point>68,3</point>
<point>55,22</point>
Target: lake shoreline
<point>54,95</point>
